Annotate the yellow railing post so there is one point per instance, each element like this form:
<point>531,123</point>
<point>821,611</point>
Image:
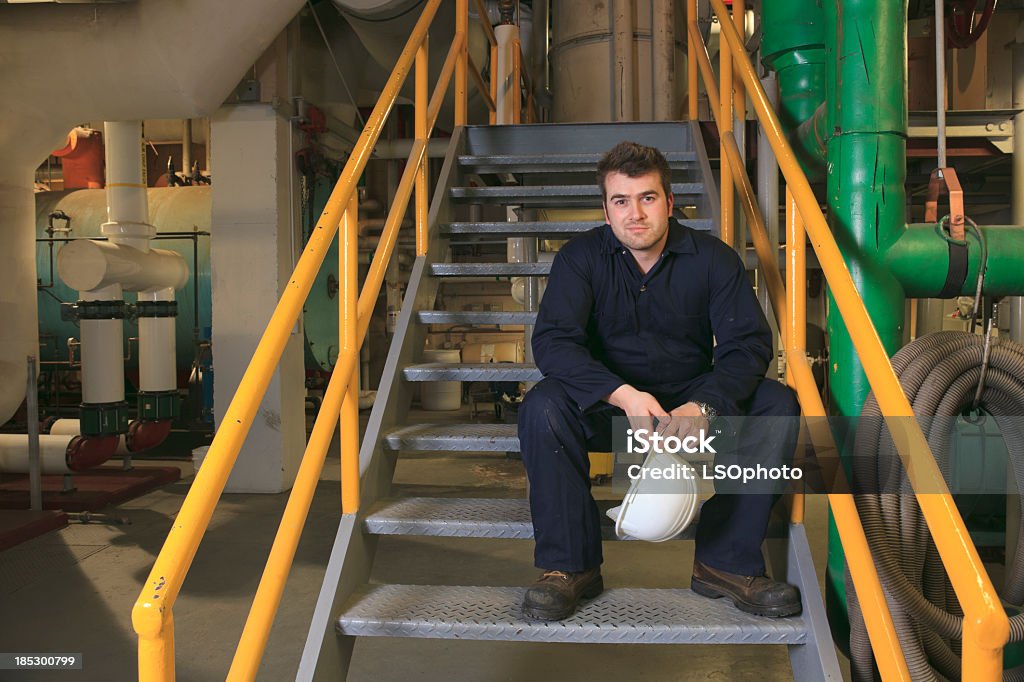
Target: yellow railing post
<point>796,327</point>
<point>348,323</point>
<point>422,198</point>
<point>739,18</point>
<point>461,65</point>
<point>691,59</point>
<point>724,131</point>
<point>517,85</point>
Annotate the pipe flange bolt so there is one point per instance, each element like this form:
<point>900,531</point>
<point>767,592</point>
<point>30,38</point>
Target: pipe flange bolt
<point>156,309</point>
<point>101,310</point>
<point>104,419</point>
<point>157,405</point>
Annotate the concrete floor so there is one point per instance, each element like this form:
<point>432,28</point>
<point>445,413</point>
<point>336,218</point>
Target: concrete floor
<point>73,590</point>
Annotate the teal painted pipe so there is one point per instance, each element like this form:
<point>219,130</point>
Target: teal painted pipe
<point>793,45</point>
<point>920,257</point>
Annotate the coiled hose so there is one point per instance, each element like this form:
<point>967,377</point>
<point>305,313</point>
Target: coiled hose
<point>939,374</point>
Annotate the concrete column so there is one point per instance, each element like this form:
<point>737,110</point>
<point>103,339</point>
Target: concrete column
<point>251,260</point>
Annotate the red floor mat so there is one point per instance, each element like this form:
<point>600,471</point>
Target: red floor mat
<point>18,526</point>
<point>94,489</point>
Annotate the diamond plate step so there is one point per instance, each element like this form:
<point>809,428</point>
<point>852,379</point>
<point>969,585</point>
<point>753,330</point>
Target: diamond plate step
<point>507,519</point>
<point>546,163</point>
<point>553,195</point>
<point>490,269</point>
<point>549,228</point>
<point>618,616</point>
<point>455,438</point>
<point>475,317</point>
<point>495,371</point>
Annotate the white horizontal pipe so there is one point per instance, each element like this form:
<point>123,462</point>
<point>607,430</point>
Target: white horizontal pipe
<point>52,453</point>
<point>85,265</point>
<point>102,352</point>
<point>73,427</point>
<point>157,361</point>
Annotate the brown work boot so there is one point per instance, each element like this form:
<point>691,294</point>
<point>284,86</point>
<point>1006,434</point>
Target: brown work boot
<point>556,594</point>
<point>756,594</point>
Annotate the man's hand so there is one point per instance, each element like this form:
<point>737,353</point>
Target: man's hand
<point>686,420</point>
<point>641,408</point>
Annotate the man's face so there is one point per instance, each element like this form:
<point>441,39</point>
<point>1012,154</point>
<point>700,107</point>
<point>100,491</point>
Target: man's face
<point>638,211</point>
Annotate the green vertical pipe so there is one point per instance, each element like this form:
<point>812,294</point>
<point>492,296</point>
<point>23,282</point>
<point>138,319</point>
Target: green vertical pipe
<point>866,93</point>
<point>793,45</point>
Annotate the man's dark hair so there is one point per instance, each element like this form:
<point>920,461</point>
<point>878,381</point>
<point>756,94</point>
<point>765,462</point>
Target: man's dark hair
<point>633,160</point>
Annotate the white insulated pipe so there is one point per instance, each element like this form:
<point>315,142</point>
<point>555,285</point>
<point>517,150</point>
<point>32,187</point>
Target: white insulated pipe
<point>52,453</point>
<point>622,51</point>
<point>157,372</point>
<point>508,92</point>
<point>664,50</point>
<point>127,209</point>
<point>102,352</point>
<point>85,265</point>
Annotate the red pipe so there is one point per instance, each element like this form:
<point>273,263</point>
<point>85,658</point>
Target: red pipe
<point>145,435</point>
<point>86,452</point>
<point>82,160</point>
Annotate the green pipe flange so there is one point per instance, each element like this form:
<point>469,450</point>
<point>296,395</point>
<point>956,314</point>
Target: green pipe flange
<point>159,405</point>
<point>104,419</point>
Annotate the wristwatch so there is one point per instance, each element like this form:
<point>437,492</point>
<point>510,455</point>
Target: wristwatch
<point>709,413</point>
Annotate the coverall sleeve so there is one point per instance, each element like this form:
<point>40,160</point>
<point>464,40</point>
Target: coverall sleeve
<point>743,340</point>
<point>560,336</point>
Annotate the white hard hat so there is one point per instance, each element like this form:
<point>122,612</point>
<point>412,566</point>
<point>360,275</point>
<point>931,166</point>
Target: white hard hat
<point>657,508</point>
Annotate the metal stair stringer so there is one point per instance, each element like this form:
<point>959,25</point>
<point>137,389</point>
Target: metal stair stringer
<point>326,655</point>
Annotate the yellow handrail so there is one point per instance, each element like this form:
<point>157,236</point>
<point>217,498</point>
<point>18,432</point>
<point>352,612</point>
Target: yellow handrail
<point>986,627</point>
<point>152,614</point>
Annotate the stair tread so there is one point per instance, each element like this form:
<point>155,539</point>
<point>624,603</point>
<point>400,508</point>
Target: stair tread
<point>455,437</point>
<point>483,371</point>
<point>549,227</point>
<point>620,615</point>
<point>476,317</point>
<point>490,269</point>
<point>554,162</point>
<point>551,191</point>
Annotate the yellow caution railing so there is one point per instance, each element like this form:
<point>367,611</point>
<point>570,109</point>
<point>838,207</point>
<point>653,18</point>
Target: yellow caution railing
<point>152,615</point>
<point>986,626</point>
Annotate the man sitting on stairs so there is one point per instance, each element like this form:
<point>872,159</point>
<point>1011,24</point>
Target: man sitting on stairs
<point>646,318</point>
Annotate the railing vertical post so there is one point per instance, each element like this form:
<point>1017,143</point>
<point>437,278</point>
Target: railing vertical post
<point>493,117</point>
<point>724,129</point>
<point>739,18</point>
<point>348,267</point>
<point>462,64</point>
<point>517,88</point>
<point>156,654</point>
<point>422,196</point>
<point>796,326</point>
<point>691,60</point>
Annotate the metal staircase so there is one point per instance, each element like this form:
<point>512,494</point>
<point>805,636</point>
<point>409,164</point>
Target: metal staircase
<point>529,166</point>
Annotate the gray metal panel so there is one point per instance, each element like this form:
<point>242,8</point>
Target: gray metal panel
<point>575,138</point>
<point>556,195</point>
<point>455,438</point>
<point>490,269</point>
<point>618,616</point>
<point>475,317</point>
<point>495,371</point>
<point>816,661</point>
<point>551,228</point>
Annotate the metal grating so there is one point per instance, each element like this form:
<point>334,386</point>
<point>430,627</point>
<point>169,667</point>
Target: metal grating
<point>545,163</point>
<point>455,438</point>
<point>476,317</point>
<point>507,519</point>
<point>557,195</point>
<point>495,371</point>
<point>550,227</point>
<point>619,616</point>
<point>490,269</point>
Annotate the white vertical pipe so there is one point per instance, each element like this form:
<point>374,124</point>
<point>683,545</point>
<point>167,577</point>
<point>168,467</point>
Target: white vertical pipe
<point>508,92</point>
<point>768,201</point>
<point>127,209</point>
<point>157,371</point>
<point>663,24</point>
<point>102,352</point>
<point>186,147</point>
<point>940,79</point>
<point>622,49</point>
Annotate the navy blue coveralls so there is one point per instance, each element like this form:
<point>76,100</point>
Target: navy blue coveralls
<point>690,329</point>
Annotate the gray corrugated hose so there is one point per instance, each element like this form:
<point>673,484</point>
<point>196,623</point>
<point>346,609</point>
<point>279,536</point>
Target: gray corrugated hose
<point>939,374</point>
